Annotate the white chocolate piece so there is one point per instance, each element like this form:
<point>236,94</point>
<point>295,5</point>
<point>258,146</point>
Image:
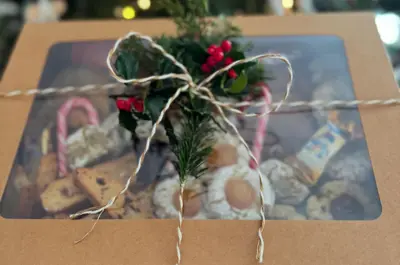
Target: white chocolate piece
<point>86,145</point>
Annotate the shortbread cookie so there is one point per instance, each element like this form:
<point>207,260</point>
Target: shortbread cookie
<point>234,194</point>
<point>62,195</point>
<point>120,169</point>
<point>47,171</point>
<point>166,199</point>
<point>100,188</point>
<point>288,189</point>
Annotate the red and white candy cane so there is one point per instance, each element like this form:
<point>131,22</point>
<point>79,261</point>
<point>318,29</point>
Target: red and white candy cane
<point>62,127</point>
<point>258,141</point>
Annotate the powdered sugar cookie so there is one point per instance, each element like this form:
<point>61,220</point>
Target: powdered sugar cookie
<point>289,190</point>
<point>166,199</point>
<point>234,194</point>
<point>227,151</point>
<point>352,164</point>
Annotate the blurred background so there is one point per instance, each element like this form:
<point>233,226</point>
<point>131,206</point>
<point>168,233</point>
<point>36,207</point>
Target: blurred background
<point>14,13</point>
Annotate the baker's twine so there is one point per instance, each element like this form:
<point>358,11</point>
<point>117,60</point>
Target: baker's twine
<point>95,88</point>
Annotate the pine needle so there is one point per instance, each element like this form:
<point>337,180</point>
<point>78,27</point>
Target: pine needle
<point>193,146</point>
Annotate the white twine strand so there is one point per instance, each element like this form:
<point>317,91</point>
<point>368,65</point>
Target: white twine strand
<point>94,88</point>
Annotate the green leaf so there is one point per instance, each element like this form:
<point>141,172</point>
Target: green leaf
<point>239,84</point>
<point>127,121</point>
<point>236,55</point>
<point>154,106</point>
<point>244,66</point>
<point>126,65</point>
<point>196,52</point>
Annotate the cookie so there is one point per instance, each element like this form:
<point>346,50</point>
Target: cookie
<point>341,200</point>
<point>47,171</point>
<point>288,189</point>
<point>62,195</point>
<point>222,155</point>
<point>166,199</point>
<point>100,188</point>
<point>120,169</point>
<point>233,193</point>
<point>353,166</point>
<point>285,212</point>
<point>141,202</point>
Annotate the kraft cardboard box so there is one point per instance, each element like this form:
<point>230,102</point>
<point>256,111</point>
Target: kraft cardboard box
<point>345,214</point>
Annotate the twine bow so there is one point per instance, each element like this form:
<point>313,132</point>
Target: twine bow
<point>200,90</point>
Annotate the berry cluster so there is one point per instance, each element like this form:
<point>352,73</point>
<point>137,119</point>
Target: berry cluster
<point>128,104</point>
<point>217,58</point>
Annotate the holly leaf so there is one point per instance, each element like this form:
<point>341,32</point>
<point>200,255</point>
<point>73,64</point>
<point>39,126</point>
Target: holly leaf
<point>239,84</point>
<point>126,65</point>
<point>127,121</point>
<point>154,106</point>
<point>244,66</point>
<point>197,53</point>
<point>236,55</point>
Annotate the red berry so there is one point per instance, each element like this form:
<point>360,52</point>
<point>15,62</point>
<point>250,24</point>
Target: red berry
<point>205,68</point>
<point>226,45</point>
<point>123,104</point>
<point>211,49</point>
<point>218,54</point>
<point>211,61</point>
<point>232,73</point>
<point>138,104</point>
<point>228,61</point>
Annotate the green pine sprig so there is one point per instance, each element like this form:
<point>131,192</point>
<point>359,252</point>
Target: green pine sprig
<point>193,145</point>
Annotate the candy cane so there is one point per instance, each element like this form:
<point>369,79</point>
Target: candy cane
<point>62,127</point>
<point>261,125</point>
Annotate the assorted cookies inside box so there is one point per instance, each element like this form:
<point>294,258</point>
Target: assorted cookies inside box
<point>74,155</point>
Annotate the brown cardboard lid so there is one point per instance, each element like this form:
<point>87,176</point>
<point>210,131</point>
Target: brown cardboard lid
<point>212,242</point>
